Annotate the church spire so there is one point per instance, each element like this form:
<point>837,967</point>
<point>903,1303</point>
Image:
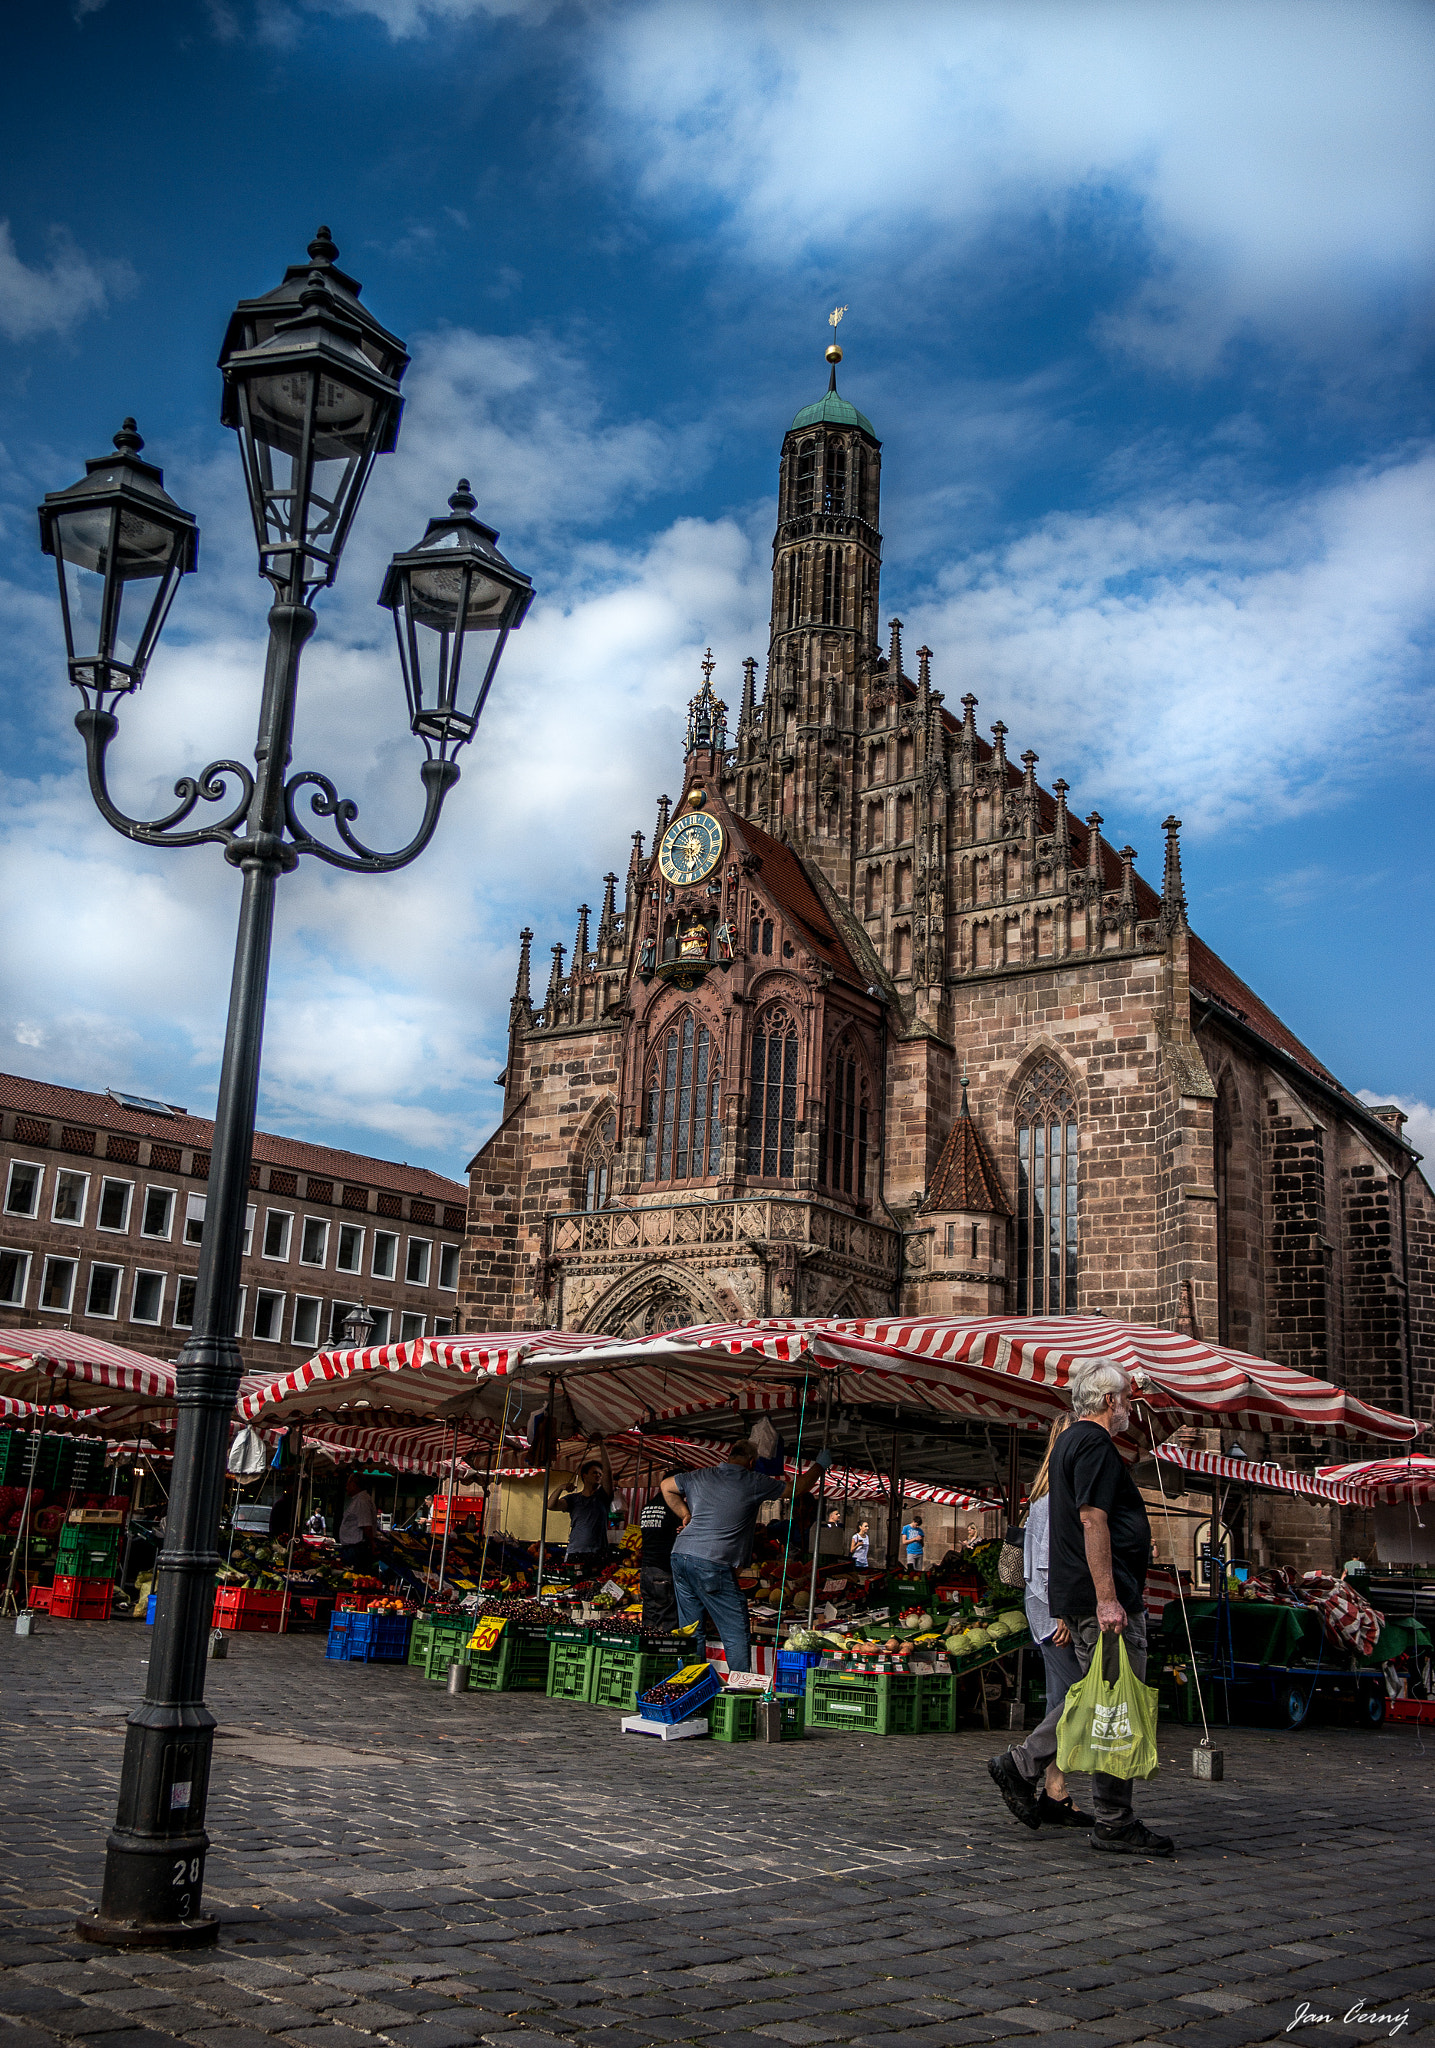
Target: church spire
<point>1095,874</point>
<point>664,806</point>
<point>1061,833</point>
<point>746,717</point>
<point>707,714</point>
<point>1173,889</point>
<point>894,649</point>
<point>580,942</point>
<point>553,998</point>
<point>609,916</point>
<point>999,759</point>
<point>522,1004</point>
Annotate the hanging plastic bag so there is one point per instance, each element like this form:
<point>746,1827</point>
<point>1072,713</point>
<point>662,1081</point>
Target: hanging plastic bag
<point>248,1454</point>
<point>1109,1720</point>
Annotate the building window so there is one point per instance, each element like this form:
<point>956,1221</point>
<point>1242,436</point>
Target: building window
<point>443,1326</point>
<point>268,1316</point>
<point>831,587</point>
<point>416,1265</point>
<point>103,1295</point>
<point>249,1216</point>
<point>314,1241</point>
<point>239,1313</point>
<point>194,1206</point>
<point>842,1154</point>
<point>411,1327</point>
<point>278,1229</point>
<point>184,1302</point>
<point>147,1302</point>
<point>158,1218</point>
<point>1046,1221</point>
<point>306,1320</point>
<point>834,491</point>
<point>597,1172</point>
<point>115,1204</point>
<point>806,490</point>
<point>71,1194</point>
<point>383,1323</point>
<point>350,1255</point>
<point>386,1254</point>
<point>57,1286</point>
<point>22,1188</point>
<point>448,1265</point>
<point>14,1278</point>
<point>684,1136</point>
<point>772,1095</point>
<point>760,936</point>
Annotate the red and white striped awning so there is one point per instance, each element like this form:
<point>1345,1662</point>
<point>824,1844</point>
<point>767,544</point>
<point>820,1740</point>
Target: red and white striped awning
<point>1265,1478</point>
<point>1392,1482</point>
<point>50,1366</point>
<point>428,1377</point>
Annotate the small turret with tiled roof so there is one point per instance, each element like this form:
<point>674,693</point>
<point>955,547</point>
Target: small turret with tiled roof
<point>966,1181</point>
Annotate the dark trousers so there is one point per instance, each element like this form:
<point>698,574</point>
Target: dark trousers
<point>1039,1749</point>
<point>660,1602</point>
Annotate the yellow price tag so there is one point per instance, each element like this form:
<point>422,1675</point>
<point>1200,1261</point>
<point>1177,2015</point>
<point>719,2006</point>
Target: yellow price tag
<point>689,1675</point>
<point>486,1635</point>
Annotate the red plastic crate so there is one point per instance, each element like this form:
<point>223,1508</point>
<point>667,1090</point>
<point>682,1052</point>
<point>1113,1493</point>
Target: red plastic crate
<point>251,1613</point>
<point>81,1599</point>
<point>1411,1710</point>
<point>38,1599</point>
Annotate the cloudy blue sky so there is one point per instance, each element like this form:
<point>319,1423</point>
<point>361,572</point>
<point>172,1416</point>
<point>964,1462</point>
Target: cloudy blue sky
<point>1140,306</point>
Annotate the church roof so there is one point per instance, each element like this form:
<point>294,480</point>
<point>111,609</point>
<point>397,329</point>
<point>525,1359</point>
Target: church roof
<point>834,411</point>
<point>1212,980</point>
<point>965,1180</point>
<point>784,879</point>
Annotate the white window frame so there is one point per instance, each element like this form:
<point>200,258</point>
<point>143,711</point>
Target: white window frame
<point>239,1313</point>
<point>272,1294</point>
<point>358,1265</point>
<point>443,1326</point>
<point>158,1236</point>
<point>108,1181</point>
<point>413,1244</point>
<point>286,1217</point>
<point>57,1259</point>
<point>12,1251</point>
<point>196,1207</point>
<point>307,1301</point>
<point>148,1273</point>
<point>249,1215</point>
<point>383,1324</point>
<point>444,1253</point>
<point>391,1239</point>
<point>321,1223</point>
<point>407,1316</point>
<point>183,1280</point>
<point>104,1266</point>
<point>62,1174</point>
<point>37,1168</point>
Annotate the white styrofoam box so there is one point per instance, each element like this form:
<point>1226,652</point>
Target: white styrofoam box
<point>666,1731</point>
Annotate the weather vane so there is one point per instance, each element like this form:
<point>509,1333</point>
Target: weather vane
<point>834,353</point>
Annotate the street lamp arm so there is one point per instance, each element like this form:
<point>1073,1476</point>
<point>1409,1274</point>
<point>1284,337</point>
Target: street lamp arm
<point>210,786</point>
<point>326,802</point>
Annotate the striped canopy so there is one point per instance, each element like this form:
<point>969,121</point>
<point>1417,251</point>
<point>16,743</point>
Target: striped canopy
<point>41,1365</point>
<point>1265,1478</point>
<point>388,1385</point>
<point>1391,1482</point>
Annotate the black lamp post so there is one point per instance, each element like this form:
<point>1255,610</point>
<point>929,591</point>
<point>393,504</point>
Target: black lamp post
<point>311,383</point>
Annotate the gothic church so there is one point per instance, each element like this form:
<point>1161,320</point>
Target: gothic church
<point>876,1026</point>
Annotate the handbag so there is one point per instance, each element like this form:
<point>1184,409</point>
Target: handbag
<point>1011,1565</point>
<point>1109,1720</point>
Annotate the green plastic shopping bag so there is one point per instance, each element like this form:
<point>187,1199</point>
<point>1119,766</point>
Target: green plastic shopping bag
<point>1109,1720</point>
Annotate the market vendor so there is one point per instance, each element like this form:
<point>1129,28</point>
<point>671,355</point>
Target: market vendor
<point>359,1522</point>
<point>660,1525</point>
<point>587,1500</point>
<point>721,1504</point>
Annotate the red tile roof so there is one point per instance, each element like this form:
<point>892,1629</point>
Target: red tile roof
<point>1213,981</point>
<point>80,1106</point>
<point>966,1179</point>
<point>783,878</point>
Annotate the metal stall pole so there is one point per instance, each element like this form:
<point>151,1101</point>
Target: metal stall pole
<point>894,1488</point>
<point>487,1502</point>
<point>821,1494</point>
<point>293,1526</point>
<point>22,1534</point>
<point>551,1433</point>
<point>448,1510</point>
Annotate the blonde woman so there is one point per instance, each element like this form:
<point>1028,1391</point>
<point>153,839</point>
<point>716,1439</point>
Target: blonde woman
<point>1017,1773</point>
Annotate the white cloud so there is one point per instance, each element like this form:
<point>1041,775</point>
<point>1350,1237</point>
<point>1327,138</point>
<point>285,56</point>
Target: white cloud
<point>53,297</point>
<point>1275,161</point>
<point>405,18</point>
<point>1419,1130</point>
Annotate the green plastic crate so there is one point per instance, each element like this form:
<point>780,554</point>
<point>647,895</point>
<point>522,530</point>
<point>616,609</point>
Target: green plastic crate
<point>519,1664</point>
<point>734,1717</point>
<point>884,1703</point>
<point>937,1703</point>
<point>570,1670</point>
<point>419,1642</point>
<point>87,1553</point>
<point>617,1677</point>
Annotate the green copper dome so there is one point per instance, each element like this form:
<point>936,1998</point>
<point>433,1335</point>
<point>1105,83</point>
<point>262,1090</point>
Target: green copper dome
<point>833,411</point>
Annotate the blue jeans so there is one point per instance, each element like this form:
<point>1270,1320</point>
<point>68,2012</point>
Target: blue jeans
<point>702,1588</point>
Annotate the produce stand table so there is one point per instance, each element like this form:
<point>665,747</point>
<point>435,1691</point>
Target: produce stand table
<point>1265,1655</point>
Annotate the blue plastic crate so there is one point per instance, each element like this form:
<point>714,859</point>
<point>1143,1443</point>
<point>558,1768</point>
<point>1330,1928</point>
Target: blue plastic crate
<point>340,1628</point>
<point>792,1669</point>
<point>692,1702</point>
<point>369,1638</point>
<point>149,1609</point>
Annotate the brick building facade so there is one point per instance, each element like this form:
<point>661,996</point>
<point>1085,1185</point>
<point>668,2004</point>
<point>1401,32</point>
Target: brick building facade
<point>102,1212</point>
<point>876,1024</point>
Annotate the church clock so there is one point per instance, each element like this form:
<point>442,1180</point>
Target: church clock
<point>690,848</point>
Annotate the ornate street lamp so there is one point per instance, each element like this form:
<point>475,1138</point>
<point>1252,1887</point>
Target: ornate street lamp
<point>311,386</point>
<point>357,1327</point>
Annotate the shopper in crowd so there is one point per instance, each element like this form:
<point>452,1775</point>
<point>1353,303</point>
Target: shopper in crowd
<point>587,1501</point>
<point>1100,1547</point>
<point>1042,1796</point>
<point>861,1546</point>
<point>915,1543</point>
<point>834,1520</point>
<point>659,1524</point>
<point>359,1522</point>
<point>709,1551</point>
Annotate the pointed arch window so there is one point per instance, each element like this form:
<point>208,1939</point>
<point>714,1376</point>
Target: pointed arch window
<point>831,585</point>
<point>1047,1149</point>
<point>772,1096</point>
<point>806,480</point>
<point>834,490</point>
<point>598,1165</point>
<point>684,1136</point>
<point>842,1149</point>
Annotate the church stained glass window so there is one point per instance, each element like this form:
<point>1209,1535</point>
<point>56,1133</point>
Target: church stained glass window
<point>684,1134</point>
<point>842,1148</point>
<point>598,1165</point>
<point>1047,1190</point>
<point>772,1096</point>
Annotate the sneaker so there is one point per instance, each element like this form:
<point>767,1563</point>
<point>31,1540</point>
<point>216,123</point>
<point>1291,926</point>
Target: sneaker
<point>1019,1796</point>
<point>1063,1813</point>
<point>1132,1840</point>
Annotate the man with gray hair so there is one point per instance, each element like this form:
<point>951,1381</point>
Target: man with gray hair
<point>1100,1550</point>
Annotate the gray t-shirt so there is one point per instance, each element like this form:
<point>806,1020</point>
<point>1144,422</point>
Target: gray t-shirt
<point>723,1503</point>
<point>588,1522</point>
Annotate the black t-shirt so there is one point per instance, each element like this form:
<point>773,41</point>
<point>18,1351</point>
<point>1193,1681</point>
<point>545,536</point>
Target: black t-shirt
<point>659,1526</point>
<point>1087,1472</point>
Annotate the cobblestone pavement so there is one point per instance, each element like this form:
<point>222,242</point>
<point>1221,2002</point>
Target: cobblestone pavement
<point>393,1866</point>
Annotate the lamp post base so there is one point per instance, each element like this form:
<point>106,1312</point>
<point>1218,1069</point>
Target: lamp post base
<point>148,1933</point>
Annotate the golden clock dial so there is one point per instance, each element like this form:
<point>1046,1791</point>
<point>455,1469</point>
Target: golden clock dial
<point>690,848</point>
